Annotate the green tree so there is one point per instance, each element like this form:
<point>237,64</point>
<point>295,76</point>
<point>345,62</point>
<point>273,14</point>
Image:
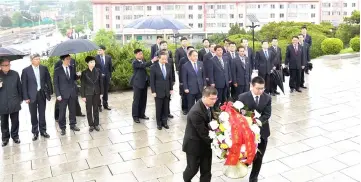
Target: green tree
<point>17,19</point>
<point>5,21</point>
<point>90,25</point>
<point>106,38</point>
<point>354,18</point>
<point>350,28</point>
<point>235,29</point>
<point>79,28</point>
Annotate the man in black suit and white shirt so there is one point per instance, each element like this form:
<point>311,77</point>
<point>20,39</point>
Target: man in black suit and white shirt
<point>139,81</point>
<point>231,54</point>
<point>307,58</point>
<point>307,37</point>
<point>162,88</point>
<point>204,50</point>
<point>105,65</point>
<point>65,90</point>
<point>155,47</point>
<point>260,102</point>
<point>295,60</point>
<point>248,52</point>
<point>241,72</point>
<point>35,82</point>
<point>207,60</point>
<point>181,51</point>
<point>183,95</point>
<point>264,64</point>
<point>277,60</point>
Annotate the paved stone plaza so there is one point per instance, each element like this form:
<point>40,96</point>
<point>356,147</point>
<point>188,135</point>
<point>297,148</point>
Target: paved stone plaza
<point>314,137</point>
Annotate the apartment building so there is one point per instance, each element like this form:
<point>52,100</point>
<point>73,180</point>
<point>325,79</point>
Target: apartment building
<point>335,10</point>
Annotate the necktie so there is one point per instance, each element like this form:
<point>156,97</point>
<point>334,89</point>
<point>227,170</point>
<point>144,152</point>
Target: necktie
<point>209,114</point>
<point>232,55</point>
<point>163,71</point>
<point>266,54</point>
<point>195,67</point>
<point>67,72</point>
<point>257,100</point>
<point>185,50</point>
<point>275,48</point>
<point>222,63</point>
<point>296,48</point>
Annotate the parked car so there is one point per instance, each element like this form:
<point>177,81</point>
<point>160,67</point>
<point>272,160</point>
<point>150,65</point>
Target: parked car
<point>17,41</point>
<point>49,34</point>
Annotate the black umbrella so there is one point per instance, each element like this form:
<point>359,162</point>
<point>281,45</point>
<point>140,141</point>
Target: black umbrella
<point>73,47</point>
<point>286,71</point>
<point>277,79</point>
<point>10,53</point>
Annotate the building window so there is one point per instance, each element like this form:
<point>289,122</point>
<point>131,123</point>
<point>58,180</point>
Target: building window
<point>149,8</point>
<point>231,16</point>
<point>117,26</point>
<point>231,24</point>
<point>292,15</point>
<point>240,15</point>
<point>221,16</point>
<point>200,16</point>
<point>273,6</point>
<point>107,17</point>
<point>240,24</point>
<point>179,7</point>
<point>117,17</point>
<point>107,26</point>
<point>159,8</point>
<point>190,7</point>
<point>345,13</point>
<point>231,6</point>
<point>282,6</point>
<point>345,5</point>
<point>138,8</point>
<point>191,25</point>
<point>273,15</point>
<point>221,6</point>
<point>211,16</point>
<point>313,15</point>
<point>259,6</point>
<point>117,8</point>
<point>353,5</point>
<point>128,8</point>
<point>282,15</point>
<point>221,25</point>
<point>326,5</point>
<point>107,8</point>
<point>127,17</point>
<point>313,6</point>
<point>169,7</point>
<point>200,25</point>
<point>190,16</point>
<point>326,13</point>
<point>137,16</point>
<point>180,16</point>
<point>200,7</point>
<point>211,6</point>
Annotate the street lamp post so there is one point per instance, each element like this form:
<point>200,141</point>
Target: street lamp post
<point>253,19</point>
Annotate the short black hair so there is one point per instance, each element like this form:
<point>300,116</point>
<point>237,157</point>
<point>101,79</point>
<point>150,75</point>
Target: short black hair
<point>183,38</point>
<point>243,40</point>
<point>258,80</point>
<point>4,60</point>
<point>205,40</point>
<point>208,91</point>
<point>263,41</point>
<point>190,47</point>
<point>218,47</point>
<point>64,56</point>
<point>232,43</point>
<point>226,40</point>
<point>295,37</point>
<point>162,42</point>
<point>300,34</point>
<point>240,47</point>
<point>136,51</point>
<point>163,53</point>
<point>304,27</point>
<point>191,52</point>
<point>159,37</point>
<point>274,38</point>
<point>102,47</point>
<point>89,58</point>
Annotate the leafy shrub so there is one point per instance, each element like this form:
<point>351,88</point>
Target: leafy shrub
<point>332,46</point>
<point>355,44</point>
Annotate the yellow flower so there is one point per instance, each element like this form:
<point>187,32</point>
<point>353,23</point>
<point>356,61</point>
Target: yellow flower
<point>240,156</point>
<point>249,121</point>
<point>224,146</point>
<point>221,127</point>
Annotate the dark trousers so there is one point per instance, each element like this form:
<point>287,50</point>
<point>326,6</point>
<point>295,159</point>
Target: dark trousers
<point>192,99</point>
<point>161,110</point>
<point>139,102</point>
<point>257,162</point>
<point>35,108</point>
<point>267,79</point>
<point>273,83</point>
<point>204,163</point>
<point>183,98</point>
<point>233,92</point>
<point>70,103</point>
<point>295,78</point>
<point>56,110</point>
<point>106,83</point>
<point>302,82</point>
<point>240,89</point>
<point>222,95</point>
<point>14,126</point>
<point>92,109</point>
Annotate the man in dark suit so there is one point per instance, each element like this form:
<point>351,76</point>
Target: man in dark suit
<point>231,54</point>
<point>162,88</point>
<point>155,47</point>
<point>207,60</point>
<point>307,37</point>
<point>183,95</point>
<point>277,60</point>
<point>241,73</point>
<point>196,142</point>
<point>104,63</point>
<point>220,75</point>
<point>260,102</point>
<point>65,90</point>
<point>307,59</point>
<point>181,51</point>
<point>194,79</point>
<point>226,46</point>
<point>264,64</point>
<point>139,81</point>
<point>248,52</point>
<point>35,82</point>
<point>204,50</point>
<point>295,61</point>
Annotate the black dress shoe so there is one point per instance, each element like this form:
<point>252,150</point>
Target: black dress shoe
<point>277,93</point>
<point>144,117</point>
<point>107,108</point>
<point>170,116</point>
<point>63,132</point>
<point>253,180</point>
<point>91,128</point>
<point>136,120</point>
<point>185,112</point>
<point>35,137</point>
<point>96,128</point>
<point>45,135</point>
<point>74,128</point>
<point>303,87</point>
<point>273,94</point>
<point>4,143</point>
<point>166,126</point>
<point>298,90</point>
<point>81,115</point>
<point>100,109</point>
<point>159,127</point>
<point>292,90</point>
<point>17,141</point>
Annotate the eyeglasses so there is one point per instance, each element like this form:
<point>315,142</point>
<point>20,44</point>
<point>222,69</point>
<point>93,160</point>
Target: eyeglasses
<point>260,89</point>
<point>7,65</point>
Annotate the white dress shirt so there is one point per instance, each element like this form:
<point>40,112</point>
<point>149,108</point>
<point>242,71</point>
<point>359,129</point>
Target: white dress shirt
<point>37,76</point>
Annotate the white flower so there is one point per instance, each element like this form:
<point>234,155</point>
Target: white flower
<point>255,129</point>
<point>243,148</point>
<point>259,123</point>
<point>228,142</point>
<point>224,117</point>
<point>238,105</point>
<point>214,124</point>
<point>214,147</point>
<point>256,114</point>
<point>221,138</point>
<point>227,133</point>
<point>218,152</point>
<point>212,134</point>
<point>227,126</point>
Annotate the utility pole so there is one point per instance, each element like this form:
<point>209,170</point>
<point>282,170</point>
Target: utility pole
<point>253,19</point>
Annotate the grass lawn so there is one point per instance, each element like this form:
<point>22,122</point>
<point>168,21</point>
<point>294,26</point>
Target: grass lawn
<point>347,50</point>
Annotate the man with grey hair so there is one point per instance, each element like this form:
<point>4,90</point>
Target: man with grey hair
<point>36,88</point>
<point>10,100</point>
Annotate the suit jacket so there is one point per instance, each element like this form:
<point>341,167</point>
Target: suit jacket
<point>60,62</point>
<point>107,69</point>
<point>158,84</point>
<point>10,93</point>
<point>201,54</point>
<point>218,75</point>
<point>264,65</point>
<point>64,86</point>
<point>179,53</point>
<point>30,86</point>
<point>196,140</point>
<point>140,76</point>
<point>308,39</point>
<point>306,50</point>
<point>182,61</point>
<point>295,60</point>
<point>278,55</point>
<point>264,108</point>
<point>206,63</point>
<point>251,57</point>
<point>193,81</point>
<point>224,50</point>
<point>229,56</point>
<point>90,86</point>
<point>241,73</point>
<point>171,63</point>
<point>153,49</point>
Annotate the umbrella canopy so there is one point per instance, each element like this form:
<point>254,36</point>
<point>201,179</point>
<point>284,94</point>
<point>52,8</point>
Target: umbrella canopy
<point>72,47</point>
<point>157,23</point>
<point>10,53</point>
<point>277,78</point>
